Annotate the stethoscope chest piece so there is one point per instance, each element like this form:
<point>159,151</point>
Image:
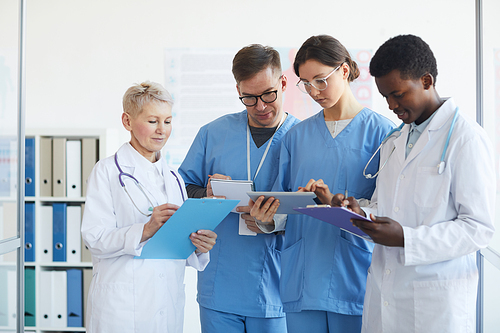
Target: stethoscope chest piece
<point>441,167</point>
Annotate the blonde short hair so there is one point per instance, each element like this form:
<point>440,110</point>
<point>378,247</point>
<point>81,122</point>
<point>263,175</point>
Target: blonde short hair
<point>141,94</point>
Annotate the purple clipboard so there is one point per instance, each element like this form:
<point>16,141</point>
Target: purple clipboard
<point>338,216</point>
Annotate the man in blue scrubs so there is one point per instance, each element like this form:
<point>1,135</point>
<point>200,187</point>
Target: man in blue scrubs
<point>239,289</point>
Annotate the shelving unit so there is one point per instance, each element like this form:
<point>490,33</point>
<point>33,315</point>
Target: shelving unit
<point>39,266</point>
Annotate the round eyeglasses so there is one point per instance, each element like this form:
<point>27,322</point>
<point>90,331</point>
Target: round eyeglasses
<point>318,84</point>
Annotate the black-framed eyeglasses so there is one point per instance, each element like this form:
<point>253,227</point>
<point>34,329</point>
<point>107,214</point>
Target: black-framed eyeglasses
<point>267,97</point>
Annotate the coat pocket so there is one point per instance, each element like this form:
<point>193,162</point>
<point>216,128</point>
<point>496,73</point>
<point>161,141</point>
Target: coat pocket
<point>292,272</point>
<point>431,188</point>
<point>112,308</point>
<point>445,306</point>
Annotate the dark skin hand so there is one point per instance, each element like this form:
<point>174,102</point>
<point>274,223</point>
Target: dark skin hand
<point>382,230</point>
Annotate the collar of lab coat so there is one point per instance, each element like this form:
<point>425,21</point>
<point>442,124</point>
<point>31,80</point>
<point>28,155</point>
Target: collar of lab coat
<point>441,116</point>
<point>141,162</point>
<point>130,160</point>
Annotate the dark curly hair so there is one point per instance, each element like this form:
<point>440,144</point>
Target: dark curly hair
<point>407,53</point>
<point>326,50</point>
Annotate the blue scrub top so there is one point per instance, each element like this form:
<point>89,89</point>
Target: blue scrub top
<point>323,267</point>
<point>244,271</point>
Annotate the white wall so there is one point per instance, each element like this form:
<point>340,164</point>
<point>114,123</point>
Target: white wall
<point>83,54</point>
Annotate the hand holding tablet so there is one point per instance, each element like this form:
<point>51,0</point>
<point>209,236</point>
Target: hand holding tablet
<point>288,200</point>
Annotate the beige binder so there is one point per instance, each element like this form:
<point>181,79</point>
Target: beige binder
<point>89,158</point>
<point>59,167</point>
<point>46,167</point>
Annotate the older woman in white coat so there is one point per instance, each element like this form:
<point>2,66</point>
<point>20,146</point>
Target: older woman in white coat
<point>127,294</point>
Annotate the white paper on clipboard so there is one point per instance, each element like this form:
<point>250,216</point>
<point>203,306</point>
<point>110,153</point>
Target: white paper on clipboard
<point>234,190</point>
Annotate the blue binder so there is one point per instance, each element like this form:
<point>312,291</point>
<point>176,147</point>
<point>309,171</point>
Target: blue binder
<point>29,231</point>
<point>75,298</point>
<point>172,240</point>
<point>59,232</point>
<point>29,170</point>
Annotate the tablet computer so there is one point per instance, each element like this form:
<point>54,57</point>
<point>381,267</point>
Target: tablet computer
<point>288,200</point>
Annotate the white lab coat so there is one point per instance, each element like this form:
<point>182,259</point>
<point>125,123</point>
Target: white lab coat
<point>430,285</point>
<point>126,294</point>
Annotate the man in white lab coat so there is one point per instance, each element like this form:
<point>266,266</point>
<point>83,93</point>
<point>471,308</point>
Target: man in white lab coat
<point>430,213</point>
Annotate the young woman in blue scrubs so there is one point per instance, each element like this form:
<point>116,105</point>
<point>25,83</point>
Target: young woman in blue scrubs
<point>324,269</point>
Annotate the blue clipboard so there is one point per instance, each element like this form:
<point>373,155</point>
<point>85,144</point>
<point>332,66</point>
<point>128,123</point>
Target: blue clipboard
<point>338,216</point>
<point>172,240</point>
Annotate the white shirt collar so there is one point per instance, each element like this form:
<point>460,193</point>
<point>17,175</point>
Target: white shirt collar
<point>144,163</point>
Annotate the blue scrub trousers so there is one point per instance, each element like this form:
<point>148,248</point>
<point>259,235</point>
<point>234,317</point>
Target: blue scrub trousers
<point>322,322</point>
<point>222,322</point>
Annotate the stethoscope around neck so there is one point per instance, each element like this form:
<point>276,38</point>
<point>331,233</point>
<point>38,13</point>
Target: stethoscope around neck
<point>141,188</point>
<point>440,166</point>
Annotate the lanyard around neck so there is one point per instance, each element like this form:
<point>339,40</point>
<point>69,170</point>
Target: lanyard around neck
<point>265,152</point>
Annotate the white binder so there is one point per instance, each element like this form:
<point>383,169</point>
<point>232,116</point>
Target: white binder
<point>45,292</point>
<point>73,168</point>
<point>73,238</point>
<point>45,247</point>
<point>59,299</point>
